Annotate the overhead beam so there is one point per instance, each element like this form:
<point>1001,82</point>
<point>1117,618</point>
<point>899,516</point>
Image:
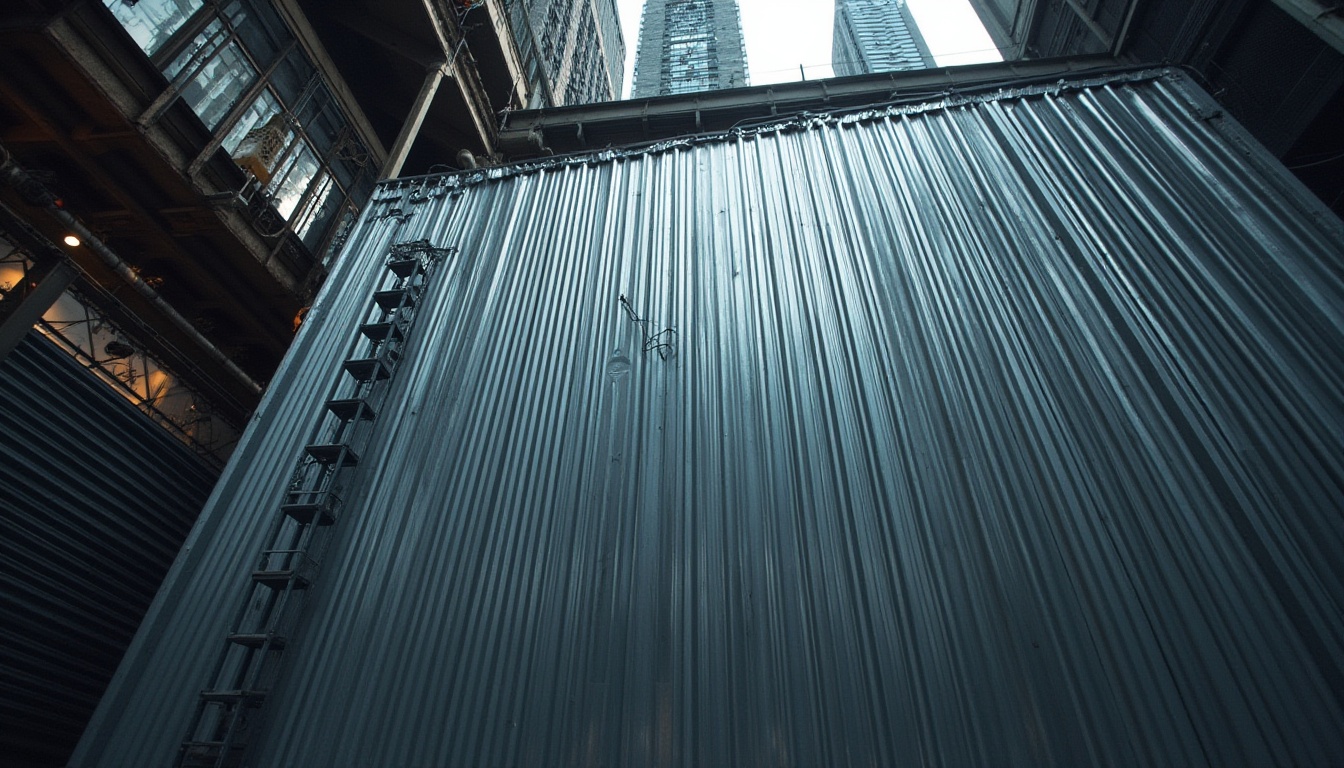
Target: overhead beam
<point>1325,19</point>
<point>513,62</point>
<point>317,53</point>
<point>164,241</point>
<point>1106,38</point>
<point>410,128</point>
<point>478,106</point>
<point>18,314</point>
<point>412,45</point>
<point>723,110</point>
<point>50,275</point>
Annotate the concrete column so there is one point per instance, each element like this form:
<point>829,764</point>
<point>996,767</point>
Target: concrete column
<point>401,148</point>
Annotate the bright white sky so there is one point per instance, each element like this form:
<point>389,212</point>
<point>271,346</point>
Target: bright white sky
<point>782,34</point>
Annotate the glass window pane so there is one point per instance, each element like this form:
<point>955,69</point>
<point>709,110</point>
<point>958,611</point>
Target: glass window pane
<point>321,119</point>
<point>219,72</point>
<point>347,163</point>
<point>152,22</point>
<point>218,86</point>
<point>260,29</point>
<point>363,190</point>
<point>325,204</point>
<point>292,178</point>
<point>204,46</point>
<point>291,77</point>
<point>264,108</point>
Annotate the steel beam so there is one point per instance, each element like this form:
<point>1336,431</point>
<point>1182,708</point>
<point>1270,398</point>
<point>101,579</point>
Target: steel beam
<point>18,314</point>
<point>401,148</point>
<point>1106,38</point>
<point>530,132</point>
<point>1325,19</point>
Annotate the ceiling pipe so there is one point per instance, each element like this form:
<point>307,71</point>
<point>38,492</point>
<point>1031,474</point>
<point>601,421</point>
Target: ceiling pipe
<point>34,192</point>
<point>1122,34</point>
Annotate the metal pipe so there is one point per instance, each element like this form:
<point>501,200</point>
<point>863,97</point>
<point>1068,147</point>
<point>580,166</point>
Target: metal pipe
<point>1122,34</point>
<point>1107,40</point>
<point>35,192</point>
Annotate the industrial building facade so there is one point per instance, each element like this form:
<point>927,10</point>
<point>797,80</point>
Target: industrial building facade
<point>994,427</point>
<point>688,46</point>
<point>876,36</point>
<point>175,179</point>
<point>574,52</point>
<point>1275,65</point>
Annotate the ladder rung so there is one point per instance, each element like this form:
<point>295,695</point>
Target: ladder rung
<point>208,753</point>
<point>250,698</point>
<point>403,267</point>
<point>384,331</point>
<point>338,454</point>
<point>256,641</point>
<point>279,579</point>
<point>306,514</point>
<point>394,298</point>
<point>368,368</point>
<point>351,410</point>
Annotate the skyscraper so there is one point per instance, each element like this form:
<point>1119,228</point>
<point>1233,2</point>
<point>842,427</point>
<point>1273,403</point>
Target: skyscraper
<point>876,36</point>
<point>689,45</point>
<point>573,52</point>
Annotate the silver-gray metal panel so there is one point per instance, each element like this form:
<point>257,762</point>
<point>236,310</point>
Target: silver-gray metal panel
<point>1002,431</point>
<point>95,500</point>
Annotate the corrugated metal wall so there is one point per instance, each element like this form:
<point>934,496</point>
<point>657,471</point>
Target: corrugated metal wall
<point>94,503</point>
<point>1000,433</point>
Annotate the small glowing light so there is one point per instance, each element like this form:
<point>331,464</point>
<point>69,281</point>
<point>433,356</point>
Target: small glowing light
<point>71,241</point>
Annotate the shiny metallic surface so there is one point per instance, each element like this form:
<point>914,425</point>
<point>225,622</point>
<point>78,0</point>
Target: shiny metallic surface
<point>993,431</point>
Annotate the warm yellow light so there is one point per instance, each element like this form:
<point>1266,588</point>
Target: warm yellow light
<point>71,241</point>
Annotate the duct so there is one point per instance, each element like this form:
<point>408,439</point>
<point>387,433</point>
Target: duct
<point>36,194</point>
<point>1001,431</point>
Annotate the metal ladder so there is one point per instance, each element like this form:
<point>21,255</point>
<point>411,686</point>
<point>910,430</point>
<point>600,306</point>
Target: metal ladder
<point>264,624</point>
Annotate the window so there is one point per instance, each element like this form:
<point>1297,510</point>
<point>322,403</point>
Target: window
<point>296,171</point>
<point>316,172</point>
<point>264,108</point>
<point>323,204</point>
<point>152,22</point>
<point>219,73</point>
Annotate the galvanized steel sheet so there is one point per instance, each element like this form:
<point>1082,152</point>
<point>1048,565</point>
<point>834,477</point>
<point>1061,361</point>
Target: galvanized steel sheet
<point>1001,431</point>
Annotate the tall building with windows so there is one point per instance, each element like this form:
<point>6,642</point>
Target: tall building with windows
<point>573,51</point>
<point>687,46</point>
<point>876,36</point>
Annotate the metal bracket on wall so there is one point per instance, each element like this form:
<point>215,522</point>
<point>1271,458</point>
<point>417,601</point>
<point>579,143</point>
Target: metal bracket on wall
<point>664,341</point>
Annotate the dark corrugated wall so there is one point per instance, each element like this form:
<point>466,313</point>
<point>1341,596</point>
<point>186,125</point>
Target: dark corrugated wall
<point>95,502</point>
<point>1000,431</point>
